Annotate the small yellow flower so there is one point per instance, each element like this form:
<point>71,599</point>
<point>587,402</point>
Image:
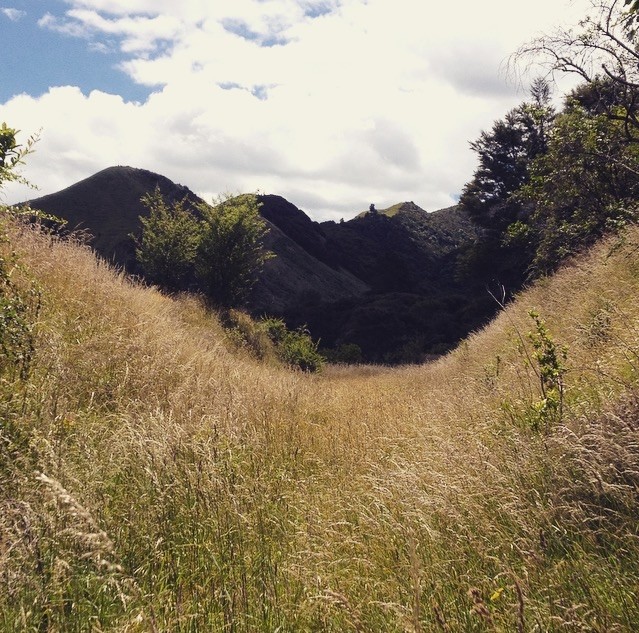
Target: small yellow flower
<point>497,594</point>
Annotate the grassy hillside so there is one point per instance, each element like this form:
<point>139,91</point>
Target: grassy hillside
<point>155,478</point>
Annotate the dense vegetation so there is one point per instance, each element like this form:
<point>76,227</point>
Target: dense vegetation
<point>550,184</point>
<point>217,250</point>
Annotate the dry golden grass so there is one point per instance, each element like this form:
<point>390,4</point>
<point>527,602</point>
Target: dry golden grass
<point>156,478</point>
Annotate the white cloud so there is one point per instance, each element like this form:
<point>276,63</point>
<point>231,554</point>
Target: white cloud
<point>13,14</point>
<point>138,33</point>
<point>332,103</point>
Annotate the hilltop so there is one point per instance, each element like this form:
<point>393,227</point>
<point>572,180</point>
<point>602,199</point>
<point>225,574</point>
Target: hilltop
<point>107,206</point>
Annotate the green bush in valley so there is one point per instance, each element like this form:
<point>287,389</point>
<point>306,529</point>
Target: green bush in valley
<point>248,334</point>
<point>295,347</point>
<point>230,253</point>
<point>170,236</point>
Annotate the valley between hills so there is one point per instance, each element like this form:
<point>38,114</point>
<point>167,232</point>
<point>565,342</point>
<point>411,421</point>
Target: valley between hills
<point>467,461</point>
<point>388,283</point>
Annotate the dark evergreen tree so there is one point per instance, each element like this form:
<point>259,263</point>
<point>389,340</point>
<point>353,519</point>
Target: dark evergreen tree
<point>505,154</point>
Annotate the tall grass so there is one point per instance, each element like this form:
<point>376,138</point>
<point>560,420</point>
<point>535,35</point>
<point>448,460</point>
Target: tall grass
<point>155,478</point>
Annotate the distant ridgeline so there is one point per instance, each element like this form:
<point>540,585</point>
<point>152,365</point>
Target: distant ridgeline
<point>388,286</point>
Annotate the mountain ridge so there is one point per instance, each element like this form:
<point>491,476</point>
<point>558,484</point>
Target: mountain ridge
<point>342,277</point>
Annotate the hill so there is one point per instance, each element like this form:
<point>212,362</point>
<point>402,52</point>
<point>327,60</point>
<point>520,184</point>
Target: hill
<point>405,251</point>
<point>342,280</point>
<point>107,206</point>
<point>155,477</point>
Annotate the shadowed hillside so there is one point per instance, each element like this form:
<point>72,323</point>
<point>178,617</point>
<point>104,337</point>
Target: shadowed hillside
<point>107,206</point>
<point>408,250</point>
<point>344,281</point>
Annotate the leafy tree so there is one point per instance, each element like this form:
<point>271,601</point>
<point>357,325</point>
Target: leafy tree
<point>230,252</point>
<point>588,181</point>
<point>584,185</point>
<point>12,155</point>
<point>601,96</point>
<point>218,250</point>
<point>170,237</point>
<point>505,154</point>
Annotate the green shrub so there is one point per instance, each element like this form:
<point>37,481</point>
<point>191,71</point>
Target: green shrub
<point>245,333</point>
<point>295,347</point>
<point>550,369</point>
<point>170,236</point>
<point>218,250</point>
<point>269,338</point>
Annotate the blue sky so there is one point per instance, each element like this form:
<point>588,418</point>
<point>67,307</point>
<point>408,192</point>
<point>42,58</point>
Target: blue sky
<point>38,58</point>
<point>333,104</point>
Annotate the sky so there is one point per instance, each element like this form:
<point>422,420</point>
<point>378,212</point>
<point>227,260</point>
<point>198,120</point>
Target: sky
<point>333,104</point>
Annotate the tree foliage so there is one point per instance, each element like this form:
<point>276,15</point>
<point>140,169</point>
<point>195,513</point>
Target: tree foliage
<point>586,184</point>
<point>505,154</point>
<point>230,253</point>
<point>217,250</point>
<point>12,155</point>
<point>19,306</point>
<point>601,49</point>
<point>166,251</point>
<point>548,185</point>
<point>632,16</point>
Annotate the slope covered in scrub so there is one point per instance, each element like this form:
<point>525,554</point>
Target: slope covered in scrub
<point>155,477</point>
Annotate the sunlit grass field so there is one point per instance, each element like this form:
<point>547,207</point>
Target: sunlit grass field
<point>155,476</point>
